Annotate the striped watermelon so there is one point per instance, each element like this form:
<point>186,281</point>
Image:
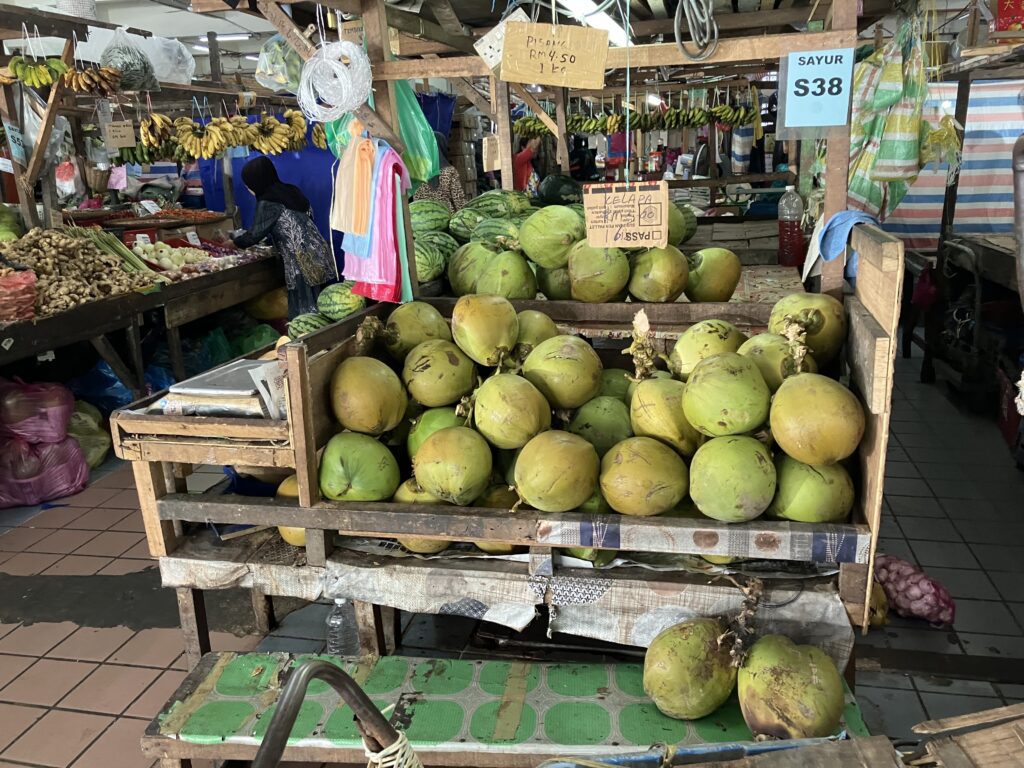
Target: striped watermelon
<point>462,223</point>
<point>429,261</point>
<point>518,201</point>
<point>444,242</point>
<point>300,325</point>
<point>428,216</point>
<point>494,205</point>
<point>502,233</point>
<point>337,301</point>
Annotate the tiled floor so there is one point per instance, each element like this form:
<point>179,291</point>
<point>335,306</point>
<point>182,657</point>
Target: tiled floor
<point>952,504</point>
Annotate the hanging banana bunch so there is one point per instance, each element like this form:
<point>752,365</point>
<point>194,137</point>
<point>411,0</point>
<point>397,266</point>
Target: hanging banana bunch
<point>202,141</point>
<point>101,81</point>
<point>296,122</point>
<point>155,129</point>
<point>271,136</point>
<point>319,136</point>
<point>35,74</point>
<point>238,131</point>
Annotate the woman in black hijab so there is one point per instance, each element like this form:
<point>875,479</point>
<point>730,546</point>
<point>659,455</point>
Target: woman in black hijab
<point>284,216</point>
<point>445,188</point>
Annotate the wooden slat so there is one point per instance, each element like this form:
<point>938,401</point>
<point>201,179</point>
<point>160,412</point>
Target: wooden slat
<point>204,303</point>
<point>192,452</point>
<point>151,487</point>
<point>535,106</point>
<point>464,88</point>
<point>52,24</point>
<point>194,426</point>
<point>879,283</point>
<point>499,95</point>
<point>561,134</point>
<point>986,717</point>
<point>998,747</point>
<point>300,404</point>
<point>869,352</point>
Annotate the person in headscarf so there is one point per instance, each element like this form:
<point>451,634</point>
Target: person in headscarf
<point>283,215</point>
<point>445,188</point>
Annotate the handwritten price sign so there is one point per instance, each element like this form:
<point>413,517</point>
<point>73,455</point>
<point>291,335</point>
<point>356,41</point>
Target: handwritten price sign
<point>554,55</point>
<point>626,216</point>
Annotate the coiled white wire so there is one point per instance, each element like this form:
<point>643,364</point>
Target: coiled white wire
<point>328,88</point>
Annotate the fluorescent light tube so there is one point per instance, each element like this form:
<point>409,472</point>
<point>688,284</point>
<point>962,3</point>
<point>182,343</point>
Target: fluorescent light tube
<point>200,48</point>
<point>580,8</point>
<point>227,38</point>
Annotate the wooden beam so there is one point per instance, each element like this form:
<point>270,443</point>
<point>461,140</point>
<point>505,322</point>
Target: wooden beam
<point>501,112</point>
<point>465,88</point>
<point>561,136</point>
<point>26,197</point>
<point>35,163</point>
<point>52,24</point>
<point>532,103</point>
<point>413,25</point>
<point>447,18</point>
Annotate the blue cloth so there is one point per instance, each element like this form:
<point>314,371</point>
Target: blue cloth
<point>835,236</point>
<point>438,108</point>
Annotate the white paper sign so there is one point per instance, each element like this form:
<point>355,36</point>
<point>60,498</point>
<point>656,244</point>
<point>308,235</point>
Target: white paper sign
<point>16,142</point>
<point>6,165</point>
<point>817,88</point>
<point>142,239</point>
<point>150,206</point>
<point>193,238</point>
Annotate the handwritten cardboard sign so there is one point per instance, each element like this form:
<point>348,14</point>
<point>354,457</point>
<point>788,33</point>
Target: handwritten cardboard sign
<point>626,215</point>
<point>559,55</point>
<point>492,157</point>
<point>121,133</point>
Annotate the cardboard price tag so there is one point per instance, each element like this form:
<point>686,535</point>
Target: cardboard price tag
<point>492,157</point>
<point>17,143</point>
<point>121,133</point>
<point>150,206</point>
<point>193,238</point>
<point>817,88</point>
<point>554,55</point>
<point>626,215</point>
<point>142,239</point>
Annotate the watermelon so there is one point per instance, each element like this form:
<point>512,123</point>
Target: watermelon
<point>508,274</point>
<point>444,242</point>
<point>519,201</point>
<point>502,233</point>
<point>548,234</point>
<point>682,224</point>
<point>493,205</point>
<point>560,190</point>
<point>578,207</point>
<point>428,216</point>
<point>337,301</point>
<point>462,222</point>
<point>465,266</point>
<point>429,261</point>
<point>300,325</point>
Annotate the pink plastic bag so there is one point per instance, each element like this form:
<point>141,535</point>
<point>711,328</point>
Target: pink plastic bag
<point>30,474</point>
<point>39,413</point>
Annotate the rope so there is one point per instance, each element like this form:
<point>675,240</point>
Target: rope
<point>703,28</point>
<point>398,755</point>
<point>328,88</point>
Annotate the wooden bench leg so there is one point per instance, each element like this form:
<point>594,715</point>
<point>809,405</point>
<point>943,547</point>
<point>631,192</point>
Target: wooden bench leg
<point>174,762</point>
<point>370,627</point>
<point>263,610</point>
<point>192,611</point>
<point>151,484</point>
<point>177,356</point>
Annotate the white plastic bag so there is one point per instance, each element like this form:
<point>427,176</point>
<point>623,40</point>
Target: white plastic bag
<point>279,66</point>
<point>32,122</point>
<point>136,68</point>
<point>172,62</point>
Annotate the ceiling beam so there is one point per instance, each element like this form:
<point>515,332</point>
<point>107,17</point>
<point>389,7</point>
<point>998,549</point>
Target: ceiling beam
<point>51,24</point>
<point>447,17</point>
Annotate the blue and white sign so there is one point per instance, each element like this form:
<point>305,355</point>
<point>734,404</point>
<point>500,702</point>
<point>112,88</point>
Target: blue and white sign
<point>817,88</point>
<point>16,142</point>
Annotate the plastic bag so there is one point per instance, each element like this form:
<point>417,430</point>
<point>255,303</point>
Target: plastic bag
<point>279,66</point>
<point>101,387</point>
<point>86,426</point>
<point>17,296</point>
<point>33,122</point>
<point>38,413</point>
<point>30,474</point>
<point>171,60</point>
<point>258,337</point>
<point>136,68</point>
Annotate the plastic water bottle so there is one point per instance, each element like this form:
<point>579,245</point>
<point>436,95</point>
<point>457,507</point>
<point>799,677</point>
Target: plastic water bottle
<point>342,636</point>
<point>792,247</point>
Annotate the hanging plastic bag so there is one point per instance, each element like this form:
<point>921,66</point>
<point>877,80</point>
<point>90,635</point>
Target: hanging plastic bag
<point>86,426</point>
<point>279,66</point>
<point>899,150</point>
<point>33,123</point>
<point>136,68</point>
<point>171,60</point>
<point>38,413</point>
<point>30,474</point>
<point>421,154</point>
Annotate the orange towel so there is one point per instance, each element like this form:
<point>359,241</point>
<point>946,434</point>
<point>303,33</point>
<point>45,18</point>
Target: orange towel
<point>352,194</point>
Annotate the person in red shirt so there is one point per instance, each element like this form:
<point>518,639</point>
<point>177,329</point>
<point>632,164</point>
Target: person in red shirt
<point>522,164</point>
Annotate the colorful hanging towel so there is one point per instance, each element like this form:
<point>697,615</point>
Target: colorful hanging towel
<point>350,212</point>
<point>379,266</point>
<point>358,247</point>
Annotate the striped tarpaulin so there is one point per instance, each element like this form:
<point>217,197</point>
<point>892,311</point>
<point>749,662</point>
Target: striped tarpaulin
<point>995,118</point>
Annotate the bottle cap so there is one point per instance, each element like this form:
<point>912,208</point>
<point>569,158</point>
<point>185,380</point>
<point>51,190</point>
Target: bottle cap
<point>790,187</point>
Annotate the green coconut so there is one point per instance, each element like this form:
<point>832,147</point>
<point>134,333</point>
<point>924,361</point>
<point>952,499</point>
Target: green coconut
<point>599,557</point>
<point>438,373</point>
<point>399,436</point>
<point>534,327</point>
<point>454,464</point>
<point>410,492</point>
<point>356,467</point>
<point>816,419</point>
<point>485,327</point>
<point>702,340</point>
<point>772,355</point>
<point>596,504</point>
<point>688,671</point>
<point>497,497</point>
<point>507,274</point>
<point>548,234</point>
<point>643,477</point>
<point>466,264</point>
<point>602,422</point>
<point>633,384</point>
<point>367,396</point>
<point>556,471</point>
<point>554,283</point>
<point>726,395</point>
<point>429,422</point>
<point>714,275</point>
<point>811,494</point>
<point>659,274</point>
<point>411,324</point>
<point>732,479</point>
<point>615,383</point>
<point>821,317</point>
<point>508,410</point>
<point>566,370</point>
<point>656,410</point>
<point>789,691</point>
<point>597,275</point>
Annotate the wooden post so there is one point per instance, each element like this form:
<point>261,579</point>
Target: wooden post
<point>26,197</point>
<point>151,487</point>
<point>561,137</point>
<point>837,160</point>
<point>192,612</point>
<point>963,98</point>
<point>805,179</point>
<point>35,163</point>
<point>505,152</point>
<point>214,46</point>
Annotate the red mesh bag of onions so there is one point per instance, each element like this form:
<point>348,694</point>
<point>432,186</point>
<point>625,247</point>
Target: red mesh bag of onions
<point>17,295</point>
<point>30,474</point>
<point>39,413</point>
